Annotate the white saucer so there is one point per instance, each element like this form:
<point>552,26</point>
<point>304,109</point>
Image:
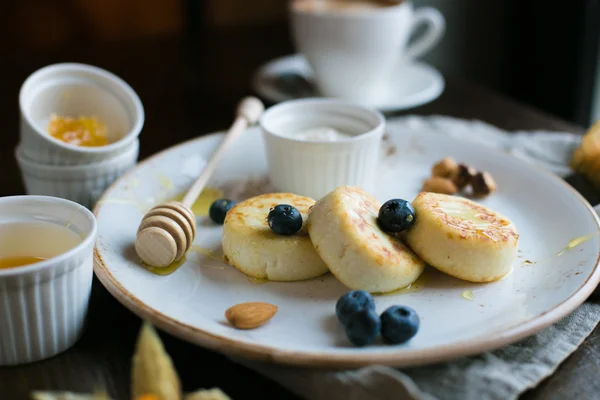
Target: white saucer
<point>291,77</point>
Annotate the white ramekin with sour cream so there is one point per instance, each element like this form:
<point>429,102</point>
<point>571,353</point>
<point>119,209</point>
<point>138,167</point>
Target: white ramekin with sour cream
<point>303,163</point>
<point>43,306</point>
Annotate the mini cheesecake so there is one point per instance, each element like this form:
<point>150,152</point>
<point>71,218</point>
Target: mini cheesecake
<point>462,238</point>
<point>344,230</point>
<point>252,247</point>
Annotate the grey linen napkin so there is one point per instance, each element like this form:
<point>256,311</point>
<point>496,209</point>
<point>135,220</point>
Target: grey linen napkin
<point>503,374</point>
<point>499,375</point>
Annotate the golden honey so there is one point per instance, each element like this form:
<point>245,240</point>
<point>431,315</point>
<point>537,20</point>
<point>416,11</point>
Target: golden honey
<point>82,131</point>
<point>468,295</point>
<point>576,242</point>
<point>203,202</point>
<point>25,243</point>
<point>13,262</point>
<point>256,281</point>
<point>217,256</point>
<point>416,286</point>
<point>168,270</point>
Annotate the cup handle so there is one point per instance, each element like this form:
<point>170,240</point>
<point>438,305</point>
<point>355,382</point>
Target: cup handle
<point>436,25</point>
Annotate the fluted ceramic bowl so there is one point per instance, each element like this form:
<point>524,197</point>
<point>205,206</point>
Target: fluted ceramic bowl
<point>44,305</point>
<point>83,184</point>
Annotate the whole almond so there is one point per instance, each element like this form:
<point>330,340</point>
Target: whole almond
<point>250,315</point>
<point>437,184</point>
<point>445,168</point>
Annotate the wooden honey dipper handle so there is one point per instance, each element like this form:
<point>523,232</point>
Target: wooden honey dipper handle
<point>248,113</point>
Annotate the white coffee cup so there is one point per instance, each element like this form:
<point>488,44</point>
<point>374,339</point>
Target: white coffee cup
<point>355,50</point>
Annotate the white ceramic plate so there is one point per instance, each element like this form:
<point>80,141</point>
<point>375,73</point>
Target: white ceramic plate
<point>190,303</point>
<point>291,77</point>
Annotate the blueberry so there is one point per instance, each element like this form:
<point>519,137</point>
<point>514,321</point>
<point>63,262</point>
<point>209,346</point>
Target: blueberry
<point>351,302</point>
<point>396,215</point>
<point>284,219</point>
<point>218,209</point>
<point>363,326</point>
<point>399,324</point>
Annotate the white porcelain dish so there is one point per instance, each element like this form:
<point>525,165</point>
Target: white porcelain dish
<point>291,77</point>
<point>44,305</point>
<point>313,168</point>
<point>83,184</point>
<point>547,212</point>
<point>71,89</point>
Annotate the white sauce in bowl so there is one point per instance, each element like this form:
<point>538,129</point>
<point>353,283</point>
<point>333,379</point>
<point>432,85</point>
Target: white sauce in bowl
<point>321,134</point>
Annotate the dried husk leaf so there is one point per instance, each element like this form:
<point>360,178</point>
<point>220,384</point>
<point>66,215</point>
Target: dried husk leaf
<point>153,371</point>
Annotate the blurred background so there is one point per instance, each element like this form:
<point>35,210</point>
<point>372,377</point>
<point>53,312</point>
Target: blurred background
<point>542,53</point>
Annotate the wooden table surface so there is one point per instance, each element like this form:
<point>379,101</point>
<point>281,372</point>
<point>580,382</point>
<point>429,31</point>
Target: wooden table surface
<point>190,87</point>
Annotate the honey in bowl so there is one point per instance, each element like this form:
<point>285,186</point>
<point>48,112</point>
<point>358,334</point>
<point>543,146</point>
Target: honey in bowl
<point>27,243</point>
<point>82,131</point>
<point>12,262</point>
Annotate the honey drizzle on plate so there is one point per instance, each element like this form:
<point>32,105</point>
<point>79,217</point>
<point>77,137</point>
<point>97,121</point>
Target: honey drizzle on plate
<point>416,286</point>
<point>208,253</point>
<point>576,242</point>
<point>168,270</point>
<point>203,202</point>
<point>573,243</point>
<point>468,295</point>
<point>164,181</point>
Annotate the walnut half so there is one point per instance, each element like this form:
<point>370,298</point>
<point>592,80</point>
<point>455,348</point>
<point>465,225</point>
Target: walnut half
<point>463,176</point>
<point>483,184</point>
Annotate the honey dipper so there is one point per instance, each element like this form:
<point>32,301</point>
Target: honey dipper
<point>168,230</point>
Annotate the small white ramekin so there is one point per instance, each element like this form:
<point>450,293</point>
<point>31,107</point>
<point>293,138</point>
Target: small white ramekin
<point>71,89</point>
<point>314,168</point>
<point>44,305</point>
<point>83,184</point>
